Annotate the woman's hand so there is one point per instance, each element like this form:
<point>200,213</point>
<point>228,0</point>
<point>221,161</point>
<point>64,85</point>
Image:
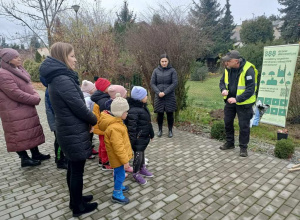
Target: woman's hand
<point>91,129</point>
<point>161,94</point>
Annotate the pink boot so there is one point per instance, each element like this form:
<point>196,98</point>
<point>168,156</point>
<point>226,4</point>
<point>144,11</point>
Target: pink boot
<point>129,170</point>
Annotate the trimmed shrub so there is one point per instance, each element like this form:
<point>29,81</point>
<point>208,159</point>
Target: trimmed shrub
<point>284,148</point>
<point>199,72</point>
<point>32,68</point>
<point>218,130</point>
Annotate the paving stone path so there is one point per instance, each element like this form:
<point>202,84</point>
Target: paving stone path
<point>193,180</point>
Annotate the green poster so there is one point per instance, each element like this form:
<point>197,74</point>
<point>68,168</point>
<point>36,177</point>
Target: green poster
<point>276,81</point>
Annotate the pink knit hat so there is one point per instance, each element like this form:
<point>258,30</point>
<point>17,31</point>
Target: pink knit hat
<point>114,89</point>
<point>87,86</point>
<point>7,54</point>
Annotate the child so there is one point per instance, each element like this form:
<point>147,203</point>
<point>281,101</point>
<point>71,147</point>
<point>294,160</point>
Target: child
<point>140,131</point>
<point>117,145</point>
<point>88,89</point>
<point>100,97</point>
<point>112,91</point>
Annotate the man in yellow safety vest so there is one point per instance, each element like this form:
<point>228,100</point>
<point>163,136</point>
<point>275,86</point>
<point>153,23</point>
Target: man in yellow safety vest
<point>238,86</point>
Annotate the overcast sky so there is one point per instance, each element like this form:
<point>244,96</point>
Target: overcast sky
<point>241,9</point>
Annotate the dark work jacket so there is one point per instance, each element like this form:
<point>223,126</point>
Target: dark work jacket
<point>139,125</point>
<point>100,99</point>
<point>164,80</point>
<point>233,78</point>
<point>72,117</point>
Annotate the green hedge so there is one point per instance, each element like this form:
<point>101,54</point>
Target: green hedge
<point>32,68</point>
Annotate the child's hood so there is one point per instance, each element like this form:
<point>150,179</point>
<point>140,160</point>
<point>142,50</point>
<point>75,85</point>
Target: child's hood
<point>106,120</point>
<point>98,95</point>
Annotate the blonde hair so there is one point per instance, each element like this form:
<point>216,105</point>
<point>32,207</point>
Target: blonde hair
<point>60,51</point>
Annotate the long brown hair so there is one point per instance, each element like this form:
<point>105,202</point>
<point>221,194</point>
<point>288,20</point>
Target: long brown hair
<point>60,51</point>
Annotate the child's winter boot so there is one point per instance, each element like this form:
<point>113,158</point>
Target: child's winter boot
<point>125,188</point>
<point>118,197</point>
<point>145,172</point>
<point>139,178</point>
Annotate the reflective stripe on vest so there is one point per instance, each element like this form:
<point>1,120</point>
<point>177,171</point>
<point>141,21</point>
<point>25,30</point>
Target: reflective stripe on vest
<point>242,83</point>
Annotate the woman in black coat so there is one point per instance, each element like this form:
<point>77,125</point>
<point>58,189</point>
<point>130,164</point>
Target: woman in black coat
<point>164,81</point>
<point>72,118</point>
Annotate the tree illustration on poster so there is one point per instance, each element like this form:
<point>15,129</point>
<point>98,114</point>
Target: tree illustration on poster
<point>276,81</point>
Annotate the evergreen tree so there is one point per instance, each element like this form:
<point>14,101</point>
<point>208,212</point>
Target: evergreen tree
<point>206,18</point>
<point>38,57</point>
<point>157,20</point>
<point>34,42</point>
<point>3,43</point>
<point>258,30</point>
<point>227,24</point>
<point>124,19</point>
<point>14,46</point>
<point>290,30</point>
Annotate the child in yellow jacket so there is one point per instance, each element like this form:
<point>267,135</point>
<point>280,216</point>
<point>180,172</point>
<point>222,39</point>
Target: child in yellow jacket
<point>117,145</point>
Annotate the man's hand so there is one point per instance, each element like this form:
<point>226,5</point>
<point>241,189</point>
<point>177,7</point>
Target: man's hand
<point>225,92</point>
<point>91,129</point>
<point>126,165</point>
<point>231,100</point>
<point>161,94</point>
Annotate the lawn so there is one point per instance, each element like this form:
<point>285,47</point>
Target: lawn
<point>205,94</point>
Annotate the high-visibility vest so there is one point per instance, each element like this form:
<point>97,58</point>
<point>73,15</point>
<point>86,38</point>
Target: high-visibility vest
<point>242,83</point>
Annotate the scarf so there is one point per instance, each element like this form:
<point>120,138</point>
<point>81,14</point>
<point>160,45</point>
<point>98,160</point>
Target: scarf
<point>19,72</point>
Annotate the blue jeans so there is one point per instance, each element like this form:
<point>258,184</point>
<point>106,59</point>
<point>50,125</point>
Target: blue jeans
<point>119,177</point>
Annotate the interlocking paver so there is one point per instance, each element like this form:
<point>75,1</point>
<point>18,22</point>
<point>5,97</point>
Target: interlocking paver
<point>193,179</point>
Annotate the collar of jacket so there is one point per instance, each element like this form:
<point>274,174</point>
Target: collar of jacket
<point>135,103</point>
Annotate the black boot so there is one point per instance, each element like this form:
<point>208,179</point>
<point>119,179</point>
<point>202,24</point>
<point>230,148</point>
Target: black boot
<point>88,207</point>
<point>26,161</point>
<point>36,155</point>
<point>159,134</point>
<point>227,146</point>
<point>62,164</point>
<point>170,133</point>
<point>243,152</point>
<point>85,200</point>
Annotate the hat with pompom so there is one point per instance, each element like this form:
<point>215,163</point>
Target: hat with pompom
<point>119,105</point>
<point>87,86</point>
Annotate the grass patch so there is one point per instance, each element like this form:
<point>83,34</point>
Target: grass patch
<point>205,94</point>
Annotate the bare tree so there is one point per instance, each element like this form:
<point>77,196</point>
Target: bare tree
<point>37,15</point>
<point>96,51</point>
<point>172,36</point>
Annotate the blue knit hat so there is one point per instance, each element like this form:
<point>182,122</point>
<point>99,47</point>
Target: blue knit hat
<point>138,93</point>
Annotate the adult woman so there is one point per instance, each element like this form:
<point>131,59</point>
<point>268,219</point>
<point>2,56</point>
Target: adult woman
<point>163,82</point>
<point>72,118</point>
<point>20,120</point>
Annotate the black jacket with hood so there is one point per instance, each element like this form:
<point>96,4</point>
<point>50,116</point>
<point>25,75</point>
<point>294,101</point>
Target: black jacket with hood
<point>73,119</point>
<point>100,98</point>
<point>139,125</point>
